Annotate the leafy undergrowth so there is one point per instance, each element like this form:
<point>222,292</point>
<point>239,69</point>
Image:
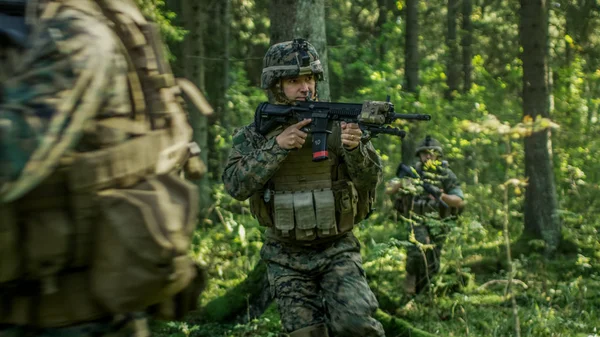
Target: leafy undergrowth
<point>558,296</point>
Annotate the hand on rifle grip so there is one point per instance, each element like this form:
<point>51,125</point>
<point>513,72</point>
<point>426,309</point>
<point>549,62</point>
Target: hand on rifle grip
<point>293,137</point>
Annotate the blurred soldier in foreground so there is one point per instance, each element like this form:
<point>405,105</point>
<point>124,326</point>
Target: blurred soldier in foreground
<point>95,220</point>
<point>430,190</point>
<point>313,259</point>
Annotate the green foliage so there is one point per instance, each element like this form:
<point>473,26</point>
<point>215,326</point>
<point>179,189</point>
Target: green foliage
<point>157,12</point>
<point>482,133</point>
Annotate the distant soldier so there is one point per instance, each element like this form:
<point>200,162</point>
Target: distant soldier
<point>95,219</point>
<point>431,190</point>
<point>313,259</point>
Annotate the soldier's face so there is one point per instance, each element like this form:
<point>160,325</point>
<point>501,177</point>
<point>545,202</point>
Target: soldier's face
<point>427,155</point>
<point>297,88</point>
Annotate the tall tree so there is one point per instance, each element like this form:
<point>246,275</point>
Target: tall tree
<point>190,64</point>
<point>411,70</point>
<point>466,43</point>
<point>412,46</point>
<point>541,214</point>
<point>302,19</point>
<point>383,8</point>
<point>452,63</point>
<point>217,45</point>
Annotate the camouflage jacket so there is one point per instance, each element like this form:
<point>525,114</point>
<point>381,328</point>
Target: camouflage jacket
<point>441,176</point>
<point>408,195</point>
<point>254,159</point>
<point>72,72</point>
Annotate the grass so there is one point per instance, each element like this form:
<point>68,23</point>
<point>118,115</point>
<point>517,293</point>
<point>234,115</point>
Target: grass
<point>556,297</point>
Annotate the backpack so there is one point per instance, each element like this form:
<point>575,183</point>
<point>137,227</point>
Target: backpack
<point>122,214</point>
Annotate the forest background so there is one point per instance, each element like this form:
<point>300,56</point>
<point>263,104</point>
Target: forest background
<point>513,89</point>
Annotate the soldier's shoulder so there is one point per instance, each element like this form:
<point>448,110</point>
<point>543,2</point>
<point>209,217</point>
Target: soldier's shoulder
<point>73,29</point>
<point>244,133</point>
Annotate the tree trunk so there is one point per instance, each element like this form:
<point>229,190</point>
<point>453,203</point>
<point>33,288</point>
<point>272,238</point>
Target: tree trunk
<point>244,302</point>
<point>383,7</point>
<point>292,19</point>
<point>541,216</point>
<point>467,45</point>
<point>216,44</point>
<point>412,46</point>
<point>411,65</point>
<point>190,64</point>
<point>452,63</point>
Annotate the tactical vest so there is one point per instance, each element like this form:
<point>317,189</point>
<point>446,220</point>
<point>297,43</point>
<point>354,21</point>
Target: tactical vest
<point>108,231</point>
<point>309,202</point>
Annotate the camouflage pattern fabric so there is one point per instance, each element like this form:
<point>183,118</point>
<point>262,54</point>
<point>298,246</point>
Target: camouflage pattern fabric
<point>254,159</point>
<point>424,264</point>
<point>290,59</point>
<point>72,72</point>
<point>304,278</point>
<point>322,285</point>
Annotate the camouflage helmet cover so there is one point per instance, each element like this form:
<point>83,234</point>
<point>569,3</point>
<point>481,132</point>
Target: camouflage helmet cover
<point>290,59</point>
<point>429,144</point>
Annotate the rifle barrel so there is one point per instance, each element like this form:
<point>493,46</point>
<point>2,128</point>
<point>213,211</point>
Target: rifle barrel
<point>420,117</point>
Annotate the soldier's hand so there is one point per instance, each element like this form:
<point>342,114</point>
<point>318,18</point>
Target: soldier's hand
<point>393,186</point>
<point>292,137</point>
<point>351,134</point>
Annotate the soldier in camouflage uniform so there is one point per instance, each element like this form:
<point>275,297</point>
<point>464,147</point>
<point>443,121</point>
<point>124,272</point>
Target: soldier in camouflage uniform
<point>416,205</point>
<point>82,133</point>
<point>314,264</point>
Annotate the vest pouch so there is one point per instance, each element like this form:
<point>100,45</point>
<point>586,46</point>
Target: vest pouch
<point>48,236</point>
<point>346,199</point>
<point>283,211</point>
<point>325,211</point>
<point>9,252</point>
<point>140,257</point>
<point>306,220</point>
<point>364,206</point>
<point>261,210</point>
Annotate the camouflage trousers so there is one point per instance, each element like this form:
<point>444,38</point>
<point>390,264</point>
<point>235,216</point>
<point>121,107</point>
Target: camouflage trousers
<point>314,285</point>
<point>423,264</point>
<point>135,326</point>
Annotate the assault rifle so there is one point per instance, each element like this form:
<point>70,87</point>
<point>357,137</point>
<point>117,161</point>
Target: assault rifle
<point>407,171</point>
<point>373,118</point>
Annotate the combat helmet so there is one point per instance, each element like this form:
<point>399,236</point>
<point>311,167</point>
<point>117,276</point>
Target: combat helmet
<point>429,143</point>
<point>290,59</point>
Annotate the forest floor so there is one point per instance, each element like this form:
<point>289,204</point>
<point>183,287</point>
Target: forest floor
<point>557,296</point>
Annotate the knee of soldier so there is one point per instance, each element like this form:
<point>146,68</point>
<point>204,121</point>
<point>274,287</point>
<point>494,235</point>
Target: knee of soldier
<point>357,326</point>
